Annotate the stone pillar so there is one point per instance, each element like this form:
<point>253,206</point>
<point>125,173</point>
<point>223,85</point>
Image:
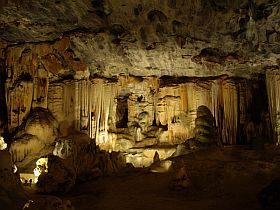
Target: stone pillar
<point>273,92</point>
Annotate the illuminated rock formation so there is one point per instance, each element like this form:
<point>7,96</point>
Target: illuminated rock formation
<point>93,85</point>
<point>127,111</point>
<point>132,75</point>
<point>3,145</point>
<point>37,132</point>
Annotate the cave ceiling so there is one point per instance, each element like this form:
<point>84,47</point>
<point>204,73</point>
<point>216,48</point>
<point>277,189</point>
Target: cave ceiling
<point>149,37</point>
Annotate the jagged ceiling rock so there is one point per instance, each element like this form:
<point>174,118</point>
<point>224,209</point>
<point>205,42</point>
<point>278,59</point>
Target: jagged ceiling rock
<point>34,21</point>
<point>172,37</point>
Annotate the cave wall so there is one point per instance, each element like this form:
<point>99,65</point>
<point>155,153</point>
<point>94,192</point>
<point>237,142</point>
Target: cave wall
<point>55,51</point>
<point>186,36</point>
<point>158,109</point>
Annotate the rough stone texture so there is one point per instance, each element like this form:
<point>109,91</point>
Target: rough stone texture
<point>153,38</point>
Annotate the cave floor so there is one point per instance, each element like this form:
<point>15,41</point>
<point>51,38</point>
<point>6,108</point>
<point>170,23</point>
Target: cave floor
<point>228,179</point>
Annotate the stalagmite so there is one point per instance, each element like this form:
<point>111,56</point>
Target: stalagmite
<point>138,134</point>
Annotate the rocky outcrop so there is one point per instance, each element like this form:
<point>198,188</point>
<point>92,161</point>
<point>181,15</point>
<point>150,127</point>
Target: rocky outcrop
<point>75,158</point>
<point>39,131</point>
<point>12,195</point>
<point>60,176</point>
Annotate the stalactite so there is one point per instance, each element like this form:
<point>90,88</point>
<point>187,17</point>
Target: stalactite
<point>77,104</point>
<point>25,145</point>
<point>19,100</point>
<point>273,92</point>
<point>230,112</point>
<point>84,107</point>
<point>90,106</point>
<point>102,105</point>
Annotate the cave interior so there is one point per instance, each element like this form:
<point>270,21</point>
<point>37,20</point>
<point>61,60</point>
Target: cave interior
<point>143,104</point>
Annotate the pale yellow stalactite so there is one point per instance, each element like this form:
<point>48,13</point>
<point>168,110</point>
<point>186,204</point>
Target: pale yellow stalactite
<point>273,92</point>
<point>230,107</point>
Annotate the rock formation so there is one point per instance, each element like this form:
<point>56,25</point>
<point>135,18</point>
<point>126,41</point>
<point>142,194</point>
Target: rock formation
<point>93,85</point>
<point>204,130</point>
<point>38,131</point>
<point>129,111</point>
<point>133,76</point>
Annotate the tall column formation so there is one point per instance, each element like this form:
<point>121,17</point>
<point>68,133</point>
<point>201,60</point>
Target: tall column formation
<point>84,125</point>
<point>230,111</point>
<point>77,103</point>
<point>102,109</point>
<point>273,92</point>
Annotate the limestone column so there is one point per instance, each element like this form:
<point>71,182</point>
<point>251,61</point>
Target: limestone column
<point>273,93</point>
